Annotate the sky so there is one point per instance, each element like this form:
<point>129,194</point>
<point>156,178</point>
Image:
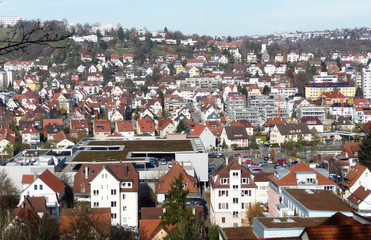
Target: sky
<point>204,17</point>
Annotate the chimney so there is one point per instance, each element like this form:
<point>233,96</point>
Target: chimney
<point>226,160</point>
<point>86,172</point>
<point>34,176</point>
<point>239,160</point>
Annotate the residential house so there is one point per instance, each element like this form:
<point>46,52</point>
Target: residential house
<point>49,186</point>
<point>7,136</point>
<point>290,131</point>
<point>146,127</point>
<point>165,127</point>
<point>313,123</point>
<point>244,123</point>
<point>63,140</point>
<point>125,128</point>
<point>235,135</point>
<point>86,56</point>
<point>165,183</point>
<point>31,136</point>
<point>116,186</point>
<point>262,181</point>
<point>358,176</point>
<point>232,191</point>
<point>101,128</point>
<point>360,199</point>
<point>79,128</point>
<point>205,135</point>
<point>298,176</point>
<point>343,124</point>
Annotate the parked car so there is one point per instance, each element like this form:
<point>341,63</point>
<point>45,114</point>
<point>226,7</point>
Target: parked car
<point>247,161</point>
<point>263,163</point>
<point>256,170</point>
<point>266,158</point>
<point>281,161</point>
<point>295,162</point>
<point>170,165</point>
<point>278,166</point>
<point>255,165</point>
<point>287,165</point>
<point>163,161</point>
<point>212,155</point>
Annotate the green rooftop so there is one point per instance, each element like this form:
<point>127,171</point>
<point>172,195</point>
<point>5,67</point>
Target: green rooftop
<point>144,146</point>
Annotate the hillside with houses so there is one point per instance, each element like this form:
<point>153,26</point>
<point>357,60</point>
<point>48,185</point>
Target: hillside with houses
<point>258,136</point>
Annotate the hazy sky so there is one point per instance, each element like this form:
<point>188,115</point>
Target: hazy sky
<point>214,18</point>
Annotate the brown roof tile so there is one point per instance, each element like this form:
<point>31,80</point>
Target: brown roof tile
<point>52,181</point>
<point>353,175</point>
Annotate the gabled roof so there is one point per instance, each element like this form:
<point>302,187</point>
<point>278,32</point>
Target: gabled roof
<point>290,178</point>
<point>124,126</point>
<point>244,123</point>
<point>166,181</point>
<point>60,136</point>
<point>163,123</point>
<point>352,149</point>
<point>30,129</point>
<point>146,125</point>
<point>28,178</point>
<point>197,131</point>
<point>271,122</point>
<point>293,129</point>
<point>102,126</point>
<point>52,181</point>
<point>47,122</point>
<point>359,195</point>
<point>337,232</point>
<point>223,172</point>
<point>353,175</point>
<point>150,227</point>
<point>35,204</point>
<point>310,121</point>
<point>236,132</point>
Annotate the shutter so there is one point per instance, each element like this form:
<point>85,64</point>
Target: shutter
<point>227,193</point>
<point>220,193</point>
<point>242,205</point>
<point>220,206</point>
<point>226,206</point>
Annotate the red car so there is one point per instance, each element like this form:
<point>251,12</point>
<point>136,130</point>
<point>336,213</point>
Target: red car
<point>247,161</point>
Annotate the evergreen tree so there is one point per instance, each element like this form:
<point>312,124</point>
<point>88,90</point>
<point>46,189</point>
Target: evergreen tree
<point>365,154</point>
<point>266,90</point>
<point>175,203</point>
<point>120,34</point>
<point>182,127</point>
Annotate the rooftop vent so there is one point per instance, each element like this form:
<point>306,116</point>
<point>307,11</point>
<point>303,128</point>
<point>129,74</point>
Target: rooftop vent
<point>275,220</point>
<point>309,191</point>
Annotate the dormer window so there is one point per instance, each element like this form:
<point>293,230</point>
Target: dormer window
<point>245,181</point>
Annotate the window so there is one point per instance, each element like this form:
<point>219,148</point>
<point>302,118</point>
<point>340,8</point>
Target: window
<point>224,181</point>
<point>223,193</point>
<point>96,204</point>
<point>35,187</point>
<point>41,187</point>
<point>235,187</point>
<point>96,192</point>
<point>245,181</point>
<point>235,214</point>
<point>113,204</point>
<point>223,219</point>
<point>113,191</point>
<point>246,193</point>
<point>113,216</point>
<point>235,174</point>
<point>235,200</point>
<point>125,219</point>
<point>124,208</point>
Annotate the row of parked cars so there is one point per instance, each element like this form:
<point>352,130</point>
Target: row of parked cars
<point>154,162</point>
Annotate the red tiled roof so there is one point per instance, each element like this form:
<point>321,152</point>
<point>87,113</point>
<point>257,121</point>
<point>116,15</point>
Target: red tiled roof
<point>359,195</point>
<point>47,122</point>
<point>28,178</point>
<point>124,126</point>
<point>165,182</point>
<point>30,129</point>
<point>163,123</point>
<point>146,125</point>
<point>337,232</point>
<point>244,123</point>
<point>352,149</point>
<point>353,175</point>
<point>102,126</point>
<point>290,178</point>
<point>52,181</point>
<point>198,130</point>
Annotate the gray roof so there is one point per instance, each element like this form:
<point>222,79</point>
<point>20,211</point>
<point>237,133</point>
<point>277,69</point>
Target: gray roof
<point>236,132</point>
<point>293,129</point>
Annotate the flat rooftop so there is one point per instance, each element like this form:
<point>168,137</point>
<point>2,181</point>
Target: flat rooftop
<point>319,200</point>
<point>291,222</point>
<point>98,151</point>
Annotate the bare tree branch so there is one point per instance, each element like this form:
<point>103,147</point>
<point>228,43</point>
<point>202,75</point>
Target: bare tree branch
<point>39,34</point>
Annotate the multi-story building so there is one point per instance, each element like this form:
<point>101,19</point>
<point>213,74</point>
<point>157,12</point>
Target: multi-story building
<point>250,114</point>
<point>366,82</point>
<point>116,186</point>
<point>232,190</point>
<point>358,176</point>
<point>298,176</point>
<point>311,111</point>
<point>314,90</point>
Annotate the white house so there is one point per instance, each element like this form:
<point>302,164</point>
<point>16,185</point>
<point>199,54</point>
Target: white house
<point>235,135</point>
<point>49,186</point>
<point>116,187</point>
<point>358,176</point>
<point>206,136</point>
<point>361,199</point>
<point>31,136</point>
<point>232,191</point>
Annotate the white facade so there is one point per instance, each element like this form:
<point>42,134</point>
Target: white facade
<point>107,192</point>
<point>228,204</point>
<point>366,82</point>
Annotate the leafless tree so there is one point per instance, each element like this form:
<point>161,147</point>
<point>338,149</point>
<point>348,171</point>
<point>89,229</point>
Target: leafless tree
<point>28,34</point>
